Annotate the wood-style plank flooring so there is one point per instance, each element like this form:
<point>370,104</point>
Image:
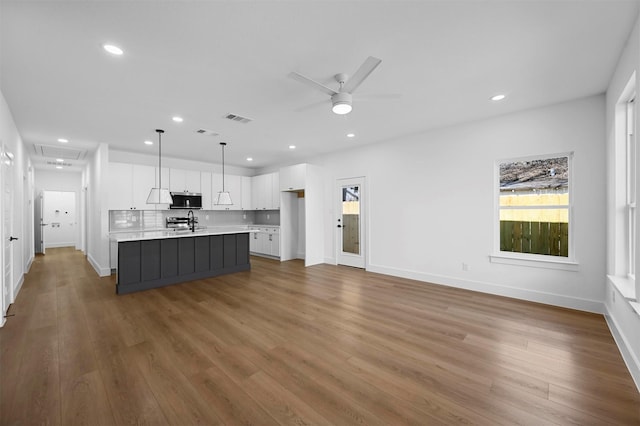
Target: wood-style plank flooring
<point>282,344</point>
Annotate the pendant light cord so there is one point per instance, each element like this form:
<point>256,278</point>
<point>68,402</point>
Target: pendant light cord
<point>223,144</point>
<point>160,132</point>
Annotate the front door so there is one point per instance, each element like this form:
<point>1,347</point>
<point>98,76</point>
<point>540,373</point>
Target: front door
<point>350,222</point>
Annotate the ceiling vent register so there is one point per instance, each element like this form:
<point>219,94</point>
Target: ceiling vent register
<point>59,152</point>
<point>207,132</point>
<point>238,118</point>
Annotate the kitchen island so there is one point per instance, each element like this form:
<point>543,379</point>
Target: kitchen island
<point>154,259</point>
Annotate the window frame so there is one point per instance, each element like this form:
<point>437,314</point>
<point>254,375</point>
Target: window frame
<point>630,188</point>
<point>530,259</point>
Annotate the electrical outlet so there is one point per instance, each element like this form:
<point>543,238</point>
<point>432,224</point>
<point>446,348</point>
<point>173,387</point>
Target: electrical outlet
<point>268,216</point>
<point>244,215</point>
<point>206,217</point>
<point>465,266</point>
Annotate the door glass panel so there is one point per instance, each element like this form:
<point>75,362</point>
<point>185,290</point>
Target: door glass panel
<point>351,219</point>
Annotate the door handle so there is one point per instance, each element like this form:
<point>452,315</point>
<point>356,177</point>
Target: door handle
<point>44,224</point>
<point>13,238</point>
<point>339,226</point>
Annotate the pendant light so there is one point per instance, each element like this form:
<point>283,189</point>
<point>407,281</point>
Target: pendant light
<point>223,198</point>
<point>159,195</point>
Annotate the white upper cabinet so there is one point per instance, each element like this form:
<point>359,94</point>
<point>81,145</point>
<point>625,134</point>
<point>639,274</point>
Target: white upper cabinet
<point>129,186</point>
<point>120,191</point>
<point>206,190</point>
<point>293,178</point>
<point>246,192</point>
<point>184,180</point>
<point>144,178</point>
<point>275,191</point>
<point>265,192</point>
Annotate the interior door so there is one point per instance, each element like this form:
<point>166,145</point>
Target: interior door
<point>350,223</point>
<point>7,228</point>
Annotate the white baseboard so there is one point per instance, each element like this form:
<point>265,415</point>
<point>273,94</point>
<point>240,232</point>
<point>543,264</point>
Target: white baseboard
<point>17,288</point>
<point>102,272</point>
<point>629,357</point>
<point>28,266</point>
<point>58,245</point>
<point>587,305</point>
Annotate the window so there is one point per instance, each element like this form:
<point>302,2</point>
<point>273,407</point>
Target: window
<point>630,183</point>
<point>534,206</point>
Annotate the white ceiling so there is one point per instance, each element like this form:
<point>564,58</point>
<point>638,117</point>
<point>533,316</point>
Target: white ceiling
<point>202,60</point>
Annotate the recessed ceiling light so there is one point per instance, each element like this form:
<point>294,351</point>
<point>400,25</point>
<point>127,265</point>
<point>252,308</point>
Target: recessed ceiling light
<point>148,142</point>
<point>63,140</point>
<point>177,119</point>
<point>114,50</point>
<point>292,147</point>
<point>59,160</point>
<point>498,97</point>
<point>58,167</point>
<point>249,159</point>
<point>351,135</point>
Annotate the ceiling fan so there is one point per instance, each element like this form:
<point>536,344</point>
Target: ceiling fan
<point>342,98</point>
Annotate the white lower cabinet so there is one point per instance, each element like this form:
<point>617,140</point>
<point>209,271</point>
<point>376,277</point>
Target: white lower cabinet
<point>266,241</point>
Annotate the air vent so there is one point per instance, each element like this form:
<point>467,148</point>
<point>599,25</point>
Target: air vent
<point>58,163</point>
<point>59,152</point>
<point>238,118</point>
<point>207,132</point>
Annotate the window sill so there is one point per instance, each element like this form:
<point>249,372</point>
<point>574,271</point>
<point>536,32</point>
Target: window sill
<point>625,285</point>
<point>534,261</point>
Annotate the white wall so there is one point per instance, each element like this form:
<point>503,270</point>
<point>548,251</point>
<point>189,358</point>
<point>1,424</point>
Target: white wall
<point>623,320</point>
<point>431,202</point>
<point>22,218</point>
<point>177,163</point>
<point>97,211</point>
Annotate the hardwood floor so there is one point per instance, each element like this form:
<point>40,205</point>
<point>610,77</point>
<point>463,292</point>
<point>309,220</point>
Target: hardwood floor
<point>282,344</point>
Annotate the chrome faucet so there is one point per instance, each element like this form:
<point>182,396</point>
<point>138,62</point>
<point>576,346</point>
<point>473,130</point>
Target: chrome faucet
<point>191,221</point>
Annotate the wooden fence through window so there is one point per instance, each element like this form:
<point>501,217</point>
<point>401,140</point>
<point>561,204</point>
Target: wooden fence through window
<point>550,238</point>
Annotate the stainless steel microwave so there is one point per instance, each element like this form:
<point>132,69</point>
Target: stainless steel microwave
<point>186,200</point>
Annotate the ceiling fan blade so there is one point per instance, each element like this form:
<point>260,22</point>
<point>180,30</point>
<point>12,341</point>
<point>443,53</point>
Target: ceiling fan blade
<point>306,80</point>
<point>363,72</point>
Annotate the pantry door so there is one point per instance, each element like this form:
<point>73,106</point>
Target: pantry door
<point>350,222</point>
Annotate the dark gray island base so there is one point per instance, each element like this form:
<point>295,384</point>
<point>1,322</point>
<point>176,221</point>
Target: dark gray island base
<point>151,263</point>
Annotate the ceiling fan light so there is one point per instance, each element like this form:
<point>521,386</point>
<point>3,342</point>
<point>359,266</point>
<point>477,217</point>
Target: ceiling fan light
<point>341,103</point>
<point>341,108</point>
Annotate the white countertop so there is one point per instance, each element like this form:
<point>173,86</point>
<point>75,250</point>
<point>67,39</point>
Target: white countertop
<point>162,234</point>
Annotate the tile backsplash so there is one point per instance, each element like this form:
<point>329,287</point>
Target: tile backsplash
<point>135,220</point>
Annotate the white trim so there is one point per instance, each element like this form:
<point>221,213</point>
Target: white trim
<point>103,272</point>
<point>17,288</point>
<point>534,261</point>
<point>60,245</point>
<point>629,357</point>
<point>626,286</point>
<point>27,267</point>
<point>528,258</point>
<point>595,306</point>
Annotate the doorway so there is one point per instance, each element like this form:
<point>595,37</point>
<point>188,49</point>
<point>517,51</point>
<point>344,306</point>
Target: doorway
<point>57,221</point>
<point>350,223</point>
<point>7,229</point>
